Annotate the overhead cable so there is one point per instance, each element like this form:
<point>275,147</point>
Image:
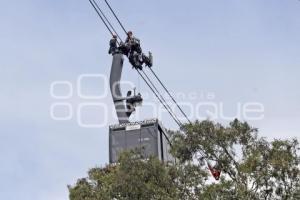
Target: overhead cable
<point>108,22</point>
<point>162,98</point>
<point>174,118</point>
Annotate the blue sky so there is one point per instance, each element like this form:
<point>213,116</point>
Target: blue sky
<point>241,50</point>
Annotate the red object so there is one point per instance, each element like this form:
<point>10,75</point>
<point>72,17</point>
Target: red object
<point>215,172</point>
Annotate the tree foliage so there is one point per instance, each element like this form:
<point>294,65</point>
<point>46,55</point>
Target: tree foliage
<point>252,168</point>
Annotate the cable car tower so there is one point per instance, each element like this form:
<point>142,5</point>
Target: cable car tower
<point>148,135</point>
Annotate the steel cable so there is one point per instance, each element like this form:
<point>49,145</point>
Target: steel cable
<point>162,98</point>
<point>174,118</point>
<point>104,16</point>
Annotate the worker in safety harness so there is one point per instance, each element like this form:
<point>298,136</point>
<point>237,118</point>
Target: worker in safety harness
<point>135,53</point>
<point>113,45</point>
<point>132,101</point>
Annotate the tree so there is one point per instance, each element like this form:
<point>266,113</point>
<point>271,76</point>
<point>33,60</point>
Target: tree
<point>252,168</point>
<point>132,178</point>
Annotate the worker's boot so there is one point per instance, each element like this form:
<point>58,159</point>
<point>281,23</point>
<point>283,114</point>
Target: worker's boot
<point>148,60</point>
<point>136,63</point>
<point>139,62</point>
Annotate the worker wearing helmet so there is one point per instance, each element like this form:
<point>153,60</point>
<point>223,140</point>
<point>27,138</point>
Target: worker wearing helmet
<point>113,45</point>
<point>132,42</point>
<point>135,53</point>
<point>129,104</point>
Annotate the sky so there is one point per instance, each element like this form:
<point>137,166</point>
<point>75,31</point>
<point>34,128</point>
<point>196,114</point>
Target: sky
<point>239,51</point>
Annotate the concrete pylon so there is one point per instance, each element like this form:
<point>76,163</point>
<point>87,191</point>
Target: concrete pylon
<point>115,77</point>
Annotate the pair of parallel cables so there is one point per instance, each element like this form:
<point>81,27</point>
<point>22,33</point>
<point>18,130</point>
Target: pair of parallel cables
<point>142,73</point>
<point>144,76</point>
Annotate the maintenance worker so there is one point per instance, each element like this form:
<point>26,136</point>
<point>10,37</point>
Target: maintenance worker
<point>113,45</point>
<point>135,53</point>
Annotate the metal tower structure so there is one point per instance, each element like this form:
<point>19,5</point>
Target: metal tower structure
<point>149,136</point>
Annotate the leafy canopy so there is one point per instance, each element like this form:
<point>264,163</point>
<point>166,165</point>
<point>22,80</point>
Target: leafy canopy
<point>252,168</point>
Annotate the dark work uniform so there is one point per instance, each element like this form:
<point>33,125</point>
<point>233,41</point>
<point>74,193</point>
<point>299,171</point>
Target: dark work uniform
<point>134,52</point>
<point>132,49</point>
<point>129,105</point>
<point>113,46</point>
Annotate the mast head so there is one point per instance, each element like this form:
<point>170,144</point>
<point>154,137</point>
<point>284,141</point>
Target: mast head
<point>129,34</point>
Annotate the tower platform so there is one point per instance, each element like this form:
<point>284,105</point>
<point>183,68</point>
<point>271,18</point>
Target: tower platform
<point>149,136</point>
